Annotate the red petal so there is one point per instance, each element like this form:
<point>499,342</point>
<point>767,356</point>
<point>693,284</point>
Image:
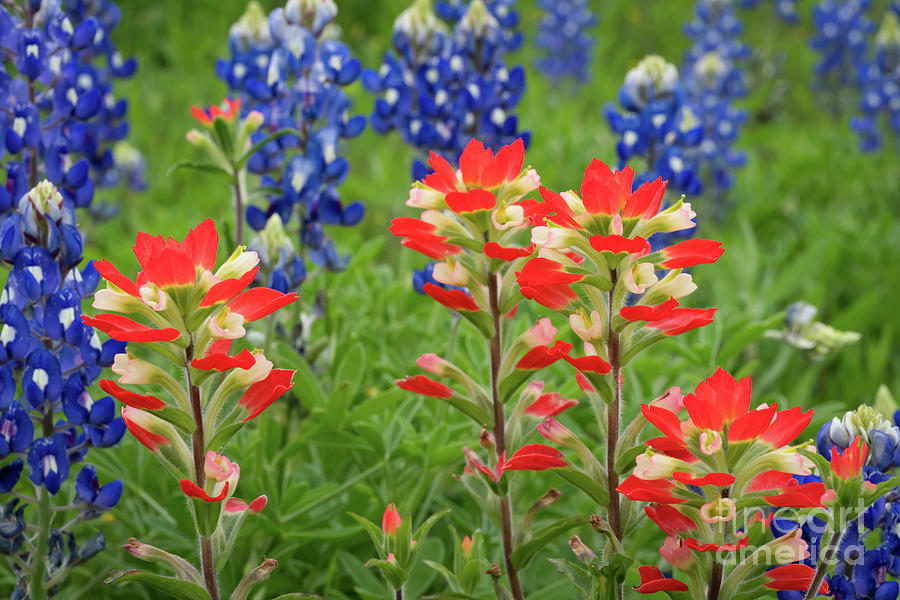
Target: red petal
<point>444,177</point>
<point>122,328</point>
<point>668,518</point>
<point>594,364</point>
<point>794,577</point>
<point>112,275</point>
<point>656,490</point>
<point>129,398</point>
<point>549,405</point>
<point>263,393</point>
<point>681,320</point>
<point>719,479</point>
<point>200,114</point>
<point>227,289</point>
<point>693,544</point>
<point>426,386</point>
<point>474,158</point>
<point>495,250</point>
<point>150,440</point>
<point>201,244</point>
<point>558,204</point>
<point>170,267</point>
<point>618,243</point>
<point>808,495</point>
<point>648,313</point>
<point>664,420</point>
<point>471,201</point>
<point>259,302</point>
<point>222,362</point>
<point>771,480</point>
<point>645,202</point>
<point>455,299</point>
<point>415,228</point>
<point>192,490</point>
<point>786,426</point>
<point>652,580</point>
<point>435,250</point>
<point>544,356</point>
<point>535,457</point>
<point>692,252</point>
<point>750,425</point>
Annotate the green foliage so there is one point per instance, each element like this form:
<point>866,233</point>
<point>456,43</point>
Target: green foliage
<point>813,220</point>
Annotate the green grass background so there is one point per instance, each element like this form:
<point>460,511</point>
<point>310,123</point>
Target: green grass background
<point>813,220</point>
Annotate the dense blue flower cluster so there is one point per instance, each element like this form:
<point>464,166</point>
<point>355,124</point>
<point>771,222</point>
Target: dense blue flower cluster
<point>440,89</point>
<point>712,81</point>
<point>655,124</point>
<point>288,67</point>
<point>879,82</point>
<point>869,549</point>
<point>565,38</point>
<point>48,360</point>
<point>786,9</point>
<point>842,31</point>
<point>58,115</point>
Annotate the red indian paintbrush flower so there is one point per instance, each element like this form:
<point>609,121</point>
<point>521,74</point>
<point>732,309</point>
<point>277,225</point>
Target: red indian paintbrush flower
<point>206,117</point>
<point>391,520</point>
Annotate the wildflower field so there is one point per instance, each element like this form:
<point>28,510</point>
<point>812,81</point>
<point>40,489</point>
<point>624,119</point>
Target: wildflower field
<point>458,299</point>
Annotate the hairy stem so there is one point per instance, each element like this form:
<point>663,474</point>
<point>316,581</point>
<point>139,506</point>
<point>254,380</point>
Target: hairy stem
<point>822,568</point>
<point>499,436</point>
<point>612,429</point>
<point>198,447</point>
<point>715,581</point>
<point>240,192</point>
<point>398,594</point>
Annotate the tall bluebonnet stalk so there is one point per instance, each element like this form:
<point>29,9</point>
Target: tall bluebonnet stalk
<point>441,88</point>
<point>290,67</point>
<point>59,120</point>
<point>879,82</point>
<point>712,81</point>
<point>842,30</point>
<point>566,40</point>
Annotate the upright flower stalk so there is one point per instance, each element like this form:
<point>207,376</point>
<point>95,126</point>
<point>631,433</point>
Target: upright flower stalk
<point>471,220</point>
<point>187,315</point>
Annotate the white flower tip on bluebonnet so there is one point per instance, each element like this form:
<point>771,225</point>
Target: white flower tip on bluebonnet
<point>889,32</point>
<point>272,243</point>
<point>46,200</point>
<point>478,19</point>
<point>653,73</point>
<point>711,66</point>
<point>252,28</point>
<point>419,23</point>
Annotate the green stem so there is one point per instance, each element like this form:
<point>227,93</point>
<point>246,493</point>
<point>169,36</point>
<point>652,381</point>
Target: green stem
<point>500,434</point>
<point>822,568</point>
<point>39,563</point>
<point>612,430</point>
<point>240,193</point>
<point>198,447</point>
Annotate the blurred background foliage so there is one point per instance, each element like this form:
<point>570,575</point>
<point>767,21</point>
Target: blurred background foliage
<point>813,220</point>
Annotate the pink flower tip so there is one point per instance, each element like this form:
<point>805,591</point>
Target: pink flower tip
<point>391,520</point>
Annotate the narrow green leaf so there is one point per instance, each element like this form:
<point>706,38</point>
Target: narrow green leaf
<point>522,555</point>
<point>203,167</point>
<point>182,590</point>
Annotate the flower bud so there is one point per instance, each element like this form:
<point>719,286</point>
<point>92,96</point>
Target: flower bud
<point>677,554</point>
<point>486,439</point>
<point>583,553</point>
<point>540,334</point>
<point>451,272</point>
<point>217,466</point>
<point>391,520</point>
<point>433,363</point>
<point>588,328</point>
<point>511,215</point>
<point>639,278</point>
<point>710,442</point>
<point>719,510</point>
<point>467,545</point>
<point>789,548</point>
<point>556,432</point>
<point>672,400</point>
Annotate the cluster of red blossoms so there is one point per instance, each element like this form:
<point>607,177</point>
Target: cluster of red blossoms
<point>730,452</point>
<point>187,313</point>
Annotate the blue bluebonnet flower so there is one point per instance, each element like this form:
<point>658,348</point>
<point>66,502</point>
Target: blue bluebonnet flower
<point>879,83</point>
<point>565,38</point>
<point>289,67</point>
<point>48,360</point>
<point>441,88</point>
<point>59,116</point>
<point>842,31</point>
<point>655,124</point>
<point>786,9</point>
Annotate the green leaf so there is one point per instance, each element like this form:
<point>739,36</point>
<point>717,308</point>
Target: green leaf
<point>182,590</point>
<point>258,146</point>
<point>223,436</point>
<point>745,337</point>
<point>177,417</point>
<point>203,167</point>
<point>522,555</point>
<point>424,528</point>
<point>372,529</point>
<point>298,596</point>
<point>585,483</point>
<point>449,596</point>
<point>224,136</point>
